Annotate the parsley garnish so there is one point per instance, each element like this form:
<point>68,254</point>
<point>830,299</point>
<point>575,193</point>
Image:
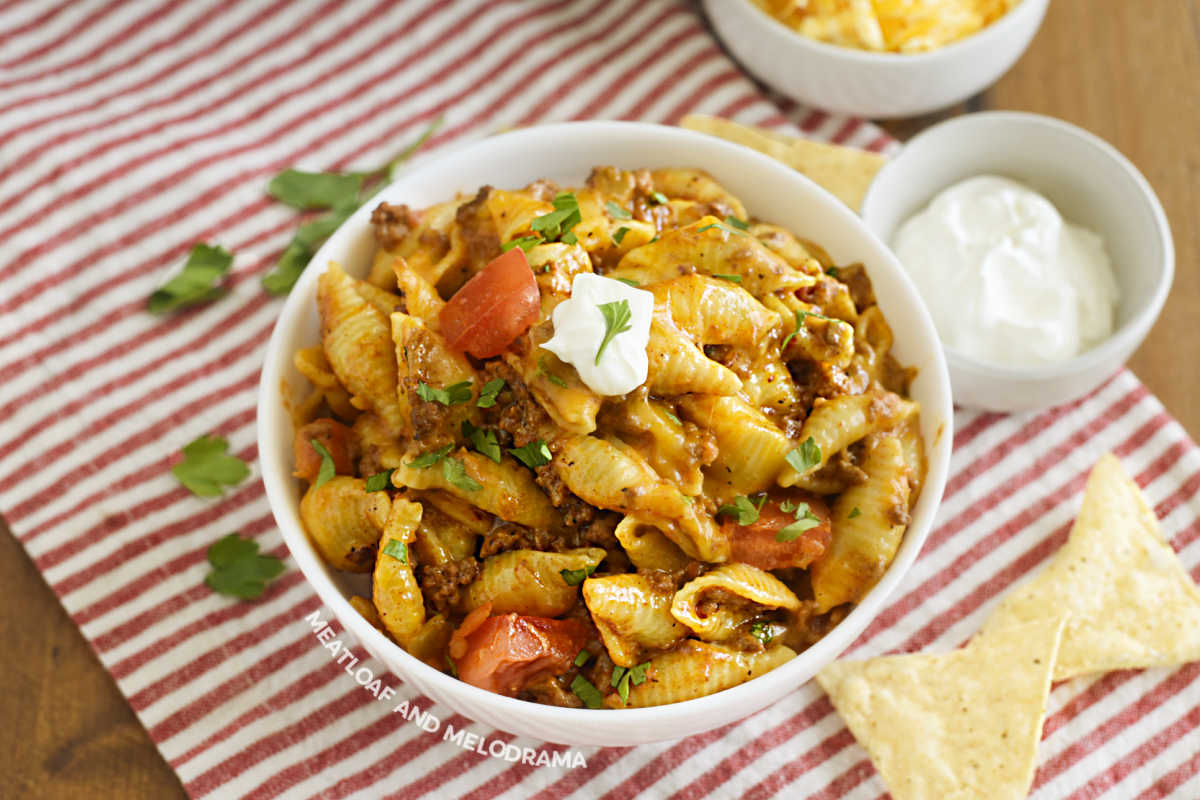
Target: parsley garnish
<point>526,243</point>
<point>586,692</point>
<point>397,550</point>
<point>854,512</point>
<point>721,226</point>
<point>730,278</point>
<point>550,376</point>
<point>237,568</point>
<point>427,460</point>
<point>629,282</point>
<point>760,631</point>
<point>619,236</point>
<point>197,283</point>
<point>805,520</point>
<point>582,658</point>
<point>328,469</point>
<point>738,223</point>
<point>456,474</point>
<point>379,481</point>
<point>482,439</point>
<point>744,509</point>
<point>616,212</point>
<point>556,226</point>
<point>805,457</point>
<point>340,193</point>
<point>489,392</point>
<point>659,198</point>
<point>617,319</point>
<point>450,396</point>
<point>672,417</point>
<point>532,455</point>
<point>574,577</point>
<point>622,677</point>
<point>206,466</point>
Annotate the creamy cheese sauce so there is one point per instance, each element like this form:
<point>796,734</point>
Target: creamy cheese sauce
<point>580,327</point>
<point>1005,278</point>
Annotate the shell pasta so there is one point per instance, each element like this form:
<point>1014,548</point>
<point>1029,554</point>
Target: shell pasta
<point>534,532</point>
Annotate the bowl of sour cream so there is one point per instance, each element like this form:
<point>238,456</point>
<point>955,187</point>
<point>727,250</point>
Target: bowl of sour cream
<point>1042,254</point>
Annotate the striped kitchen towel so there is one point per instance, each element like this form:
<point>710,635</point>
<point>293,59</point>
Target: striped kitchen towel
<point>131,130</point>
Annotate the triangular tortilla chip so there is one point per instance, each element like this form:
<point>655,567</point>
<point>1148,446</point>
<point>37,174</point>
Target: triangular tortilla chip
<point>963,725</point>
<point>1131,601</point>
<point>845,171</point>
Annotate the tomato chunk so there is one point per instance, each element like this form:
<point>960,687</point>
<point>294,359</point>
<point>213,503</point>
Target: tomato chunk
<point>504,653</point>
<point>335,437</point>
<point>492,309</point>
<point>756,544</point>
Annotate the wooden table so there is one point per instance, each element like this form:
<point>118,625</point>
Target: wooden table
<point>1130,72</point>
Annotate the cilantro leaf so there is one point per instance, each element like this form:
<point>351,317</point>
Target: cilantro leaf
<point>303,247</point>
<point>617,319</point>
<point>328,469</point>
<point>489,392</point>
<point>730,278</point>
<point>196,284</point>
<point>237,568</point>
<point>737,222</point>
<point>450,396</point>
<point>805,520</point>
<point>854,512</point>
<point>456,475</point>
<point>482,439</point>
<point>628,282</point>
<point>309,190</point>
<point>550,376</point>
<point>761,631</point>
<point>618,237</point>
<point>526,243</point>
<point>672,417</point>
<point>721,226</point>
<point>832,272</point>
<point>587,692</point>
<point>380,481</point>
<point>743,509</point>
<point>427,460</point>
<point>574,577</point>
<point>206,466</point>
<point>557,225</point>
<point>532,455</point>
<point>397,550</point>
<point>805,457</point>
<point>659,198</point>
<point>616,212</point>
<point>622,677</point>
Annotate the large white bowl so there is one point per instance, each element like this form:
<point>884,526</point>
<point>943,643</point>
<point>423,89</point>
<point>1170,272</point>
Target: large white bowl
<point>566,153</point>
<point>1091,184</point>
<point>868,84</point>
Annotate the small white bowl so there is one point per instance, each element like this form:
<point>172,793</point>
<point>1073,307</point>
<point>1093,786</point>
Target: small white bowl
<point>1091,184</point>
<point>868,84</point>
<point>566,153</point>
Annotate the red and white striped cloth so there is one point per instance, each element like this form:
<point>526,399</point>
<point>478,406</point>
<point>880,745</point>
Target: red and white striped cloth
<point>131,131</point>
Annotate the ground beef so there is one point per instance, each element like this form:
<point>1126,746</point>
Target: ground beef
<point>543,190</point>
<point>861,292</point>
<point>510,536</point>
<point>477,228</point>
<point>520,415</point>
<point>442,584</point>
<point>600,532</point>
<point>429,419</point>
<point>392,224</point>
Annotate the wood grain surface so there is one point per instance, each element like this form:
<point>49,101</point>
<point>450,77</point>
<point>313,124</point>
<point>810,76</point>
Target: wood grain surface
<point>1129,72</point>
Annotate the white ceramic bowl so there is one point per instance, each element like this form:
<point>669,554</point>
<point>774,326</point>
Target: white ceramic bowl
<point>566,153</point>
<point>1091,184</point>
<point>867,84</point>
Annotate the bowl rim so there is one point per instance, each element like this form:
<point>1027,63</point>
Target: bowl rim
<point>1129,333</point>
<point>279,484</point>
<point>984,37</point>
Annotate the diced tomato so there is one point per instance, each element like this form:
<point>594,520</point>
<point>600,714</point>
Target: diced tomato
<point>334,437</point>
<point>504,653</point>
<point>492,309</point>
<point>756,544</point>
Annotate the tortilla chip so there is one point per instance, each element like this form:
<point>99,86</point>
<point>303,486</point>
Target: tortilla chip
<point>845,171</point>
<point>1131,601</point>
<point>963,725</point>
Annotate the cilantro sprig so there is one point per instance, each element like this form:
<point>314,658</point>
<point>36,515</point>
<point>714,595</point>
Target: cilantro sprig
<point>339,194</point>
<point>380,481</point>
<point>805,520</point>
<point>427,460</point>
<point>455,474</point>
<point>482,439</point>
<point>328,468</point>
<point>207,466</point>
<point>805,457</point>
<point>452,395</point>
<point>744,509</point>
<point>238,569</point>
<point>197,283</point>
<point>489,392</point>
<point>532,455</point>
<point>574,577</point>
<point>617,319</point>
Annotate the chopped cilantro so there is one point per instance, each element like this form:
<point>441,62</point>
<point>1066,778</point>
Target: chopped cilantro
<point>619,236</point>
<point>328,469</point>
<point>456,475</point>
<point>737,222</point>
<point>427,460</point>
<point>730,278</point>
<point>805,520</point>
<point>532,455</point>
<point>380,481</point>
<point>397,550</point>
<point>744,509</point>
<point>805,457</point>
<point>526,243</point>
<point>761,631</point>
<point>556,226</point>
<point>617,319</point>
<point>482,439</point>
<point>574,577</point>
<point>616,212</point>
<point>489,392</point>
<point>854,512</point>
<point>450,396</point>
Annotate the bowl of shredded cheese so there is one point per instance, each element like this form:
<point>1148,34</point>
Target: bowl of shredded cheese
<point>877,58</point>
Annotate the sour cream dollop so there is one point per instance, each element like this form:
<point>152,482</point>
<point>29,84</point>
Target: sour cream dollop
<point>1005,278</point>
<point>580,328</point>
